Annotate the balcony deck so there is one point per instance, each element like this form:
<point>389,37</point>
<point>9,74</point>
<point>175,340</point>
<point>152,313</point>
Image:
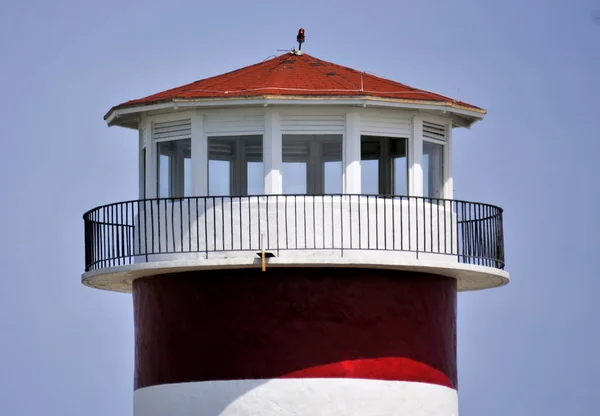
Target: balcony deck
<point>133,239</point>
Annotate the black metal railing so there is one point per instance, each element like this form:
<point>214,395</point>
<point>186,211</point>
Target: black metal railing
<point>148,230</point>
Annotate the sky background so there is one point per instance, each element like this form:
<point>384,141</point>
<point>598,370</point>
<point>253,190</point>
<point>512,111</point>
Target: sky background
<point>530,348</point>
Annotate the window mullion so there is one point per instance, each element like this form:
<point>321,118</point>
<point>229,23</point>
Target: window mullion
<point>242,167</point>
<point>385,176</point>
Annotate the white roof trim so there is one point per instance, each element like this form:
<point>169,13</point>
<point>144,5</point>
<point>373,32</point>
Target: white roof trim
<point>115,114</point>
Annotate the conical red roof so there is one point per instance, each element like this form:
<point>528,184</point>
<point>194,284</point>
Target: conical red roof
<point>295,75</point>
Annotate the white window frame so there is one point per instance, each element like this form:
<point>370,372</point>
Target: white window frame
<point>386,174</point>
<point>315,163</point>
<point>238,163</point>
<point>177,169</point>
<point>443,182</point>
<point>446,191</point>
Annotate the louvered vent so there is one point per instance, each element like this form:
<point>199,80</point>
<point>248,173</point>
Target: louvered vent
<point>295,150</point>
<point>434,131</point>
<point>225,148</point>
<point>173,130</point>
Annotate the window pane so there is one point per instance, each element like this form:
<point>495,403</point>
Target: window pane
<point>255,170</point>
<point>370,152</point>
<point>164,176</point>
<point>174,180</point>
<point>256,178</point>
<point>187,174</point>
<point>312,164</point>
<point>369,172</point>
<point>333,177</point>
<point>433,169</point>
<point>218,177</point>
<point>384,165</point>
<point>331,153</point>
<point>236,165</point>
<point>221,156</point>
<point>295,153</point>
<point>399,166</point>
<point>294,178</point>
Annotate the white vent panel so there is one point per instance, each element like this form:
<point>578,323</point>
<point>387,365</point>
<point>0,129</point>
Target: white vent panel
<point>434,131</point>
<point>173,130</point>
<point>234,125</point>
<point>383,124</point>
<point>314,123</point>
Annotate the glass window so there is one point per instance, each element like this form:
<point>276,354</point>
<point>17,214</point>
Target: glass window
<point>370,153</point>
<point>174,179</point>
<point>399,165</point>
<point>384,165</point>
<point>331,151</point>
<point>235,166</point>
<point>312,164</point>
<point>433,169</point>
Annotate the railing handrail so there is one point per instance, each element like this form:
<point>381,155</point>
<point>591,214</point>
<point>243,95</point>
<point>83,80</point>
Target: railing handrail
<point>118,233</point>
<point>175,198</point>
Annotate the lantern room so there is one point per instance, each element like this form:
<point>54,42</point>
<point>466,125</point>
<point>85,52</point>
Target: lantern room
<point>294,161</point>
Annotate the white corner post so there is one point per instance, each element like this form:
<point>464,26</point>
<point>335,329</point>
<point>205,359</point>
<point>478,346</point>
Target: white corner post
<point>199,156</point>
<point>415,146</point>
<point>272,159</point>
<point>352,174</point>
<point>448,191</point>
<point>151,191</point>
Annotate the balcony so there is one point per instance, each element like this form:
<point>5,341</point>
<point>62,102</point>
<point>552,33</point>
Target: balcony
<point>304,230</point>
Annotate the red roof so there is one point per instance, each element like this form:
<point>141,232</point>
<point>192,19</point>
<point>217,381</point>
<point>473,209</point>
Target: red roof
<point>297,76</point>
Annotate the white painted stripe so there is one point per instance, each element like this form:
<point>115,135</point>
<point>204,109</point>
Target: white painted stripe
<point>295,397</point>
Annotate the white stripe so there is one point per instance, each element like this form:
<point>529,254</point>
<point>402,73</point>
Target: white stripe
<point>295,397</point>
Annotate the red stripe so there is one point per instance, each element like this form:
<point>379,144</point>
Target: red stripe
<point>389,368</point>
<point>291,322</point>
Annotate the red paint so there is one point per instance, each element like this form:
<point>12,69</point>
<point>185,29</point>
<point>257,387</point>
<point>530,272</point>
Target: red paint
<point>386,368</point>
<point>290,75</point>
<point>245,324</point>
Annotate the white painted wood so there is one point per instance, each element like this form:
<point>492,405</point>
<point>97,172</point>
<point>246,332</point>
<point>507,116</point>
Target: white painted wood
<point>312,122</point>
<point>272,157</point>
<point>234,122</point>
<point>199,156</point>
<point>415,158</point>
<point>434,131</point>
<point>449,183</point>
<point>384,123</point>
<point>469,276</point>
<point>297,397</point>
<point>172,130</point>
<point>151,190</point>
<point>173,116</point>
<point>352,171</point>
<point>470,116</point>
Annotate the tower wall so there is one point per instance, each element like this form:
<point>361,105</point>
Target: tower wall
<point>295,341</point>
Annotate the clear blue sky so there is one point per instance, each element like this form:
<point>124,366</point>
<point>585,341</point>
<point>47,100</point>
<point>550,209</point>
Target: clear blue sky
<point>530,348</point>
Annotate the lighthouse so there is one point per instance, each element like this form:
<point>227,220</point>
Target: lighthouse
<point>295,247</point>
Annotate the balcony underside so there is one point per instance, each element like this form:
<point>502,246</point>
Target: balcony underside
<point>134,239</point>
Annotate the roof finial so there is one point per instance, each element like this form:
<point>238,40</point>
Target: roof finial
<point>300,39</point>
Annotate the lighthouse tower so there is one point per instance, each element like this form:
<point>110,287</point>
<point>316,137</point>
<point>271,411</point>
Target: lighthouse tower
<point>295,248</point>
